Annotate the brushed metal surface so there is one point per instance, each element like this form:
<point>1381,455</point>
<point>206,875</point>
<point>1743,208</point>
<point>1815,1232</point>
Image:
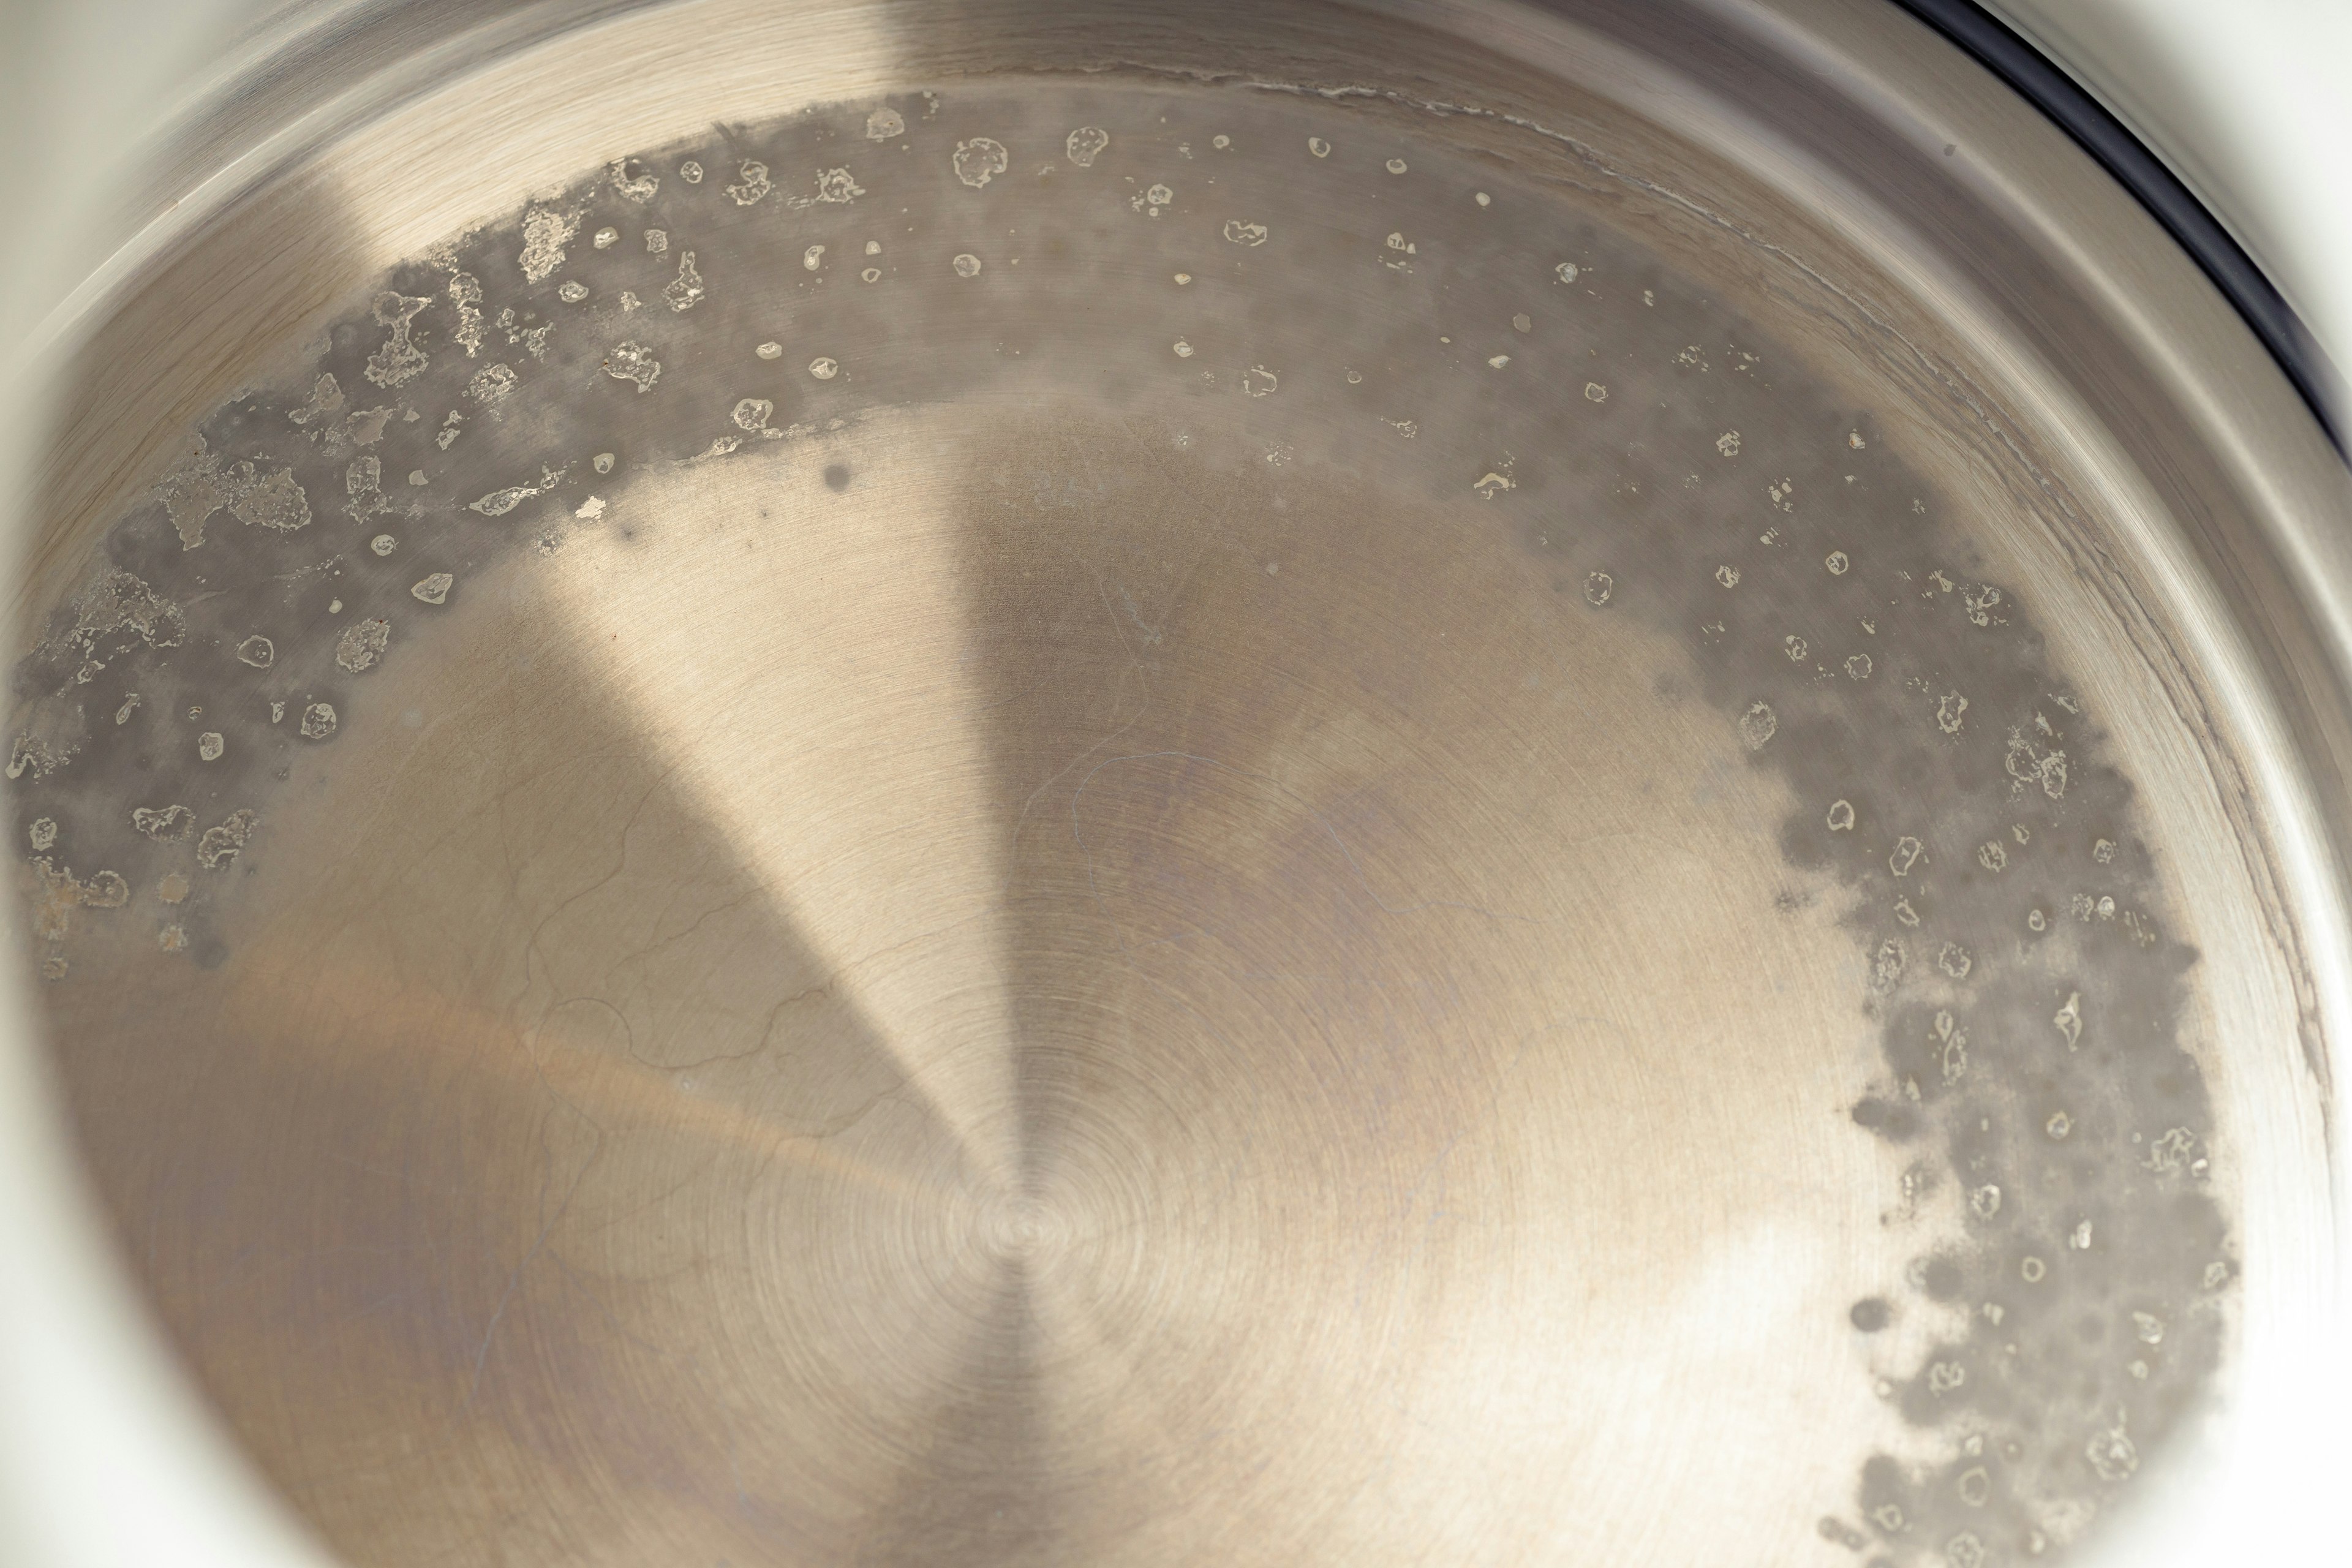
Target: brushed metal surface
<point>990,784</point>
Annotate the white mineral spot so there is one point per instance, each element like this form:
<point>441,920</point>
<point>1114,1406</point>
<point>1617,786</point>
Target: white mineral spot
<point>1728,576</point>
<point>1566,271</point>
<point>1841,817</point>
<point>325,397</point>
<point>318,720</point>
<point>686,290</point>
<point>967,265</point>
<point>769,351</point>
<point>383,544</point>
<point>605,239</point>
<point>1241,233</point>
<point>836,186</point>
<point>1259,382</point>
<point>174,887</point>
<point>1220,142</point>
<point>1991,855</point>
<point>1595,393</point>
<point>1858,667</point>
<point>1320,148</point>
<point>334,607</point>
<point>1396,165</point>
<point>434,590</point>
<point>752,182</point>
<point>1598,587</point>
<point>169,825</point>
<point>43,833</point>
<point>1837,563</point>
<point>871,275</point>
<point>416,475</point>
<point>639,188</point>
<point>219,845</point>
<point>1491,485</point>
<point>752,413</point>
<point>657,242</point>
<point>573,292</point>
<point>1949,711</point>
<point>545,232</point>
<point>490,383</point>
<point>1483,199</point>
<point>812,258</point>
<point>2032,1269</point>
<point>1183,348</point>
<point>1728,443</point>
<point>601,462</point>
<point>1909,852</point>
<point>2069,1019</point>
<point>257,651</point>
<point>2103,851</point>
<point>885,125</point>
<point>981,160</point>
<point>1497,361</point>
<point>1794,647</point>
<point>360,648</point>
<point>1085,144</point>
<point>1985,1202</point>
<point>824,369</point>
<point>210,746</point>
<point>590,509</point>
<point>1355,377</point>
<point>690,171</point>
<point>635,362</point>
<point>1757,725</point>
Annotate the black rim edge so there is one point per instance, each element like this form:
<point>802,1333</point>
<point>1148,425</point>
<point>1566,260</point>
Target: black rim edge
<point>2046,85</point>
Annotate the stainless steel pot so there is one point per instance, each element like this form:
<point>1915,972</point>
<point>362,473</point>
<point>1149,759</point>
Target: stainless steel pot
<point>991,783</point>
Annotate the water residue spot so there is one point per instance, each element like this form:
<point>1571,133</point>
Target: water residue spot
<point>981,160</point>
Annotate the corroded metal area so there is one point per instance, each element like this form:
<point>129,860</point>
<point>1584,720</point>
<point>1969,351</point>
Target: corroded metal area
<point>1156,814</point>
